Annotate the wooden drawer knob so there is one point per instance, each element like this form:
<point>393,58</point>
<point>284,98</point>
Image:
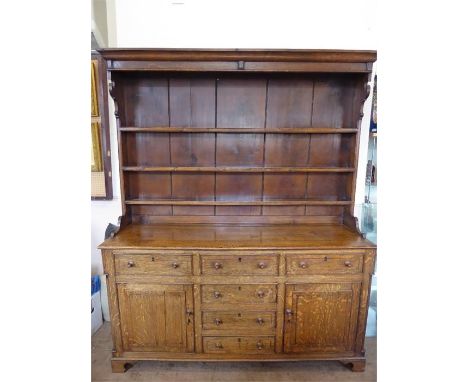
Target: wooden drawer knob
<point>303,264</point>
<point>261,294</point>
<point>217,294</point>
<point>348,263</point>
<point>175,265</point>
<point>262,265</point>
<point>218,345</point>
<point>218,265</point>
<point>130,264</point>
<point>260,320</point>
<point>259,345</point>
<point>217,321</point>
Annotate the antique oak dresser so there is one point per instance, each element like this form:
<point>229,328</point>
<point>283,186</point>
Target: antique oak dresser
<point>237,240</point>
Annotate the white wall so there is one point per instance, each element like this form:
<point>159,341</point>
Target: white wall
<point>99,21</point>
<point>339,24</point>
<point>321,24</point>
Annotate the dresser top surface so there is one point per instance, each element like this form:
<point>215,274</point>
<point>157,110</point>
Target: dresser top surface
<point>219,236</point>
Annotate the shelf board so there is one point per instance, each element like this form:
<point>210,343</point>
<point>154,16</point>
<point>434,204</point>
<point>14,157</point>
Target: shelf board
<point>240,203</point>
<point>238,169</point>
<point>292,130</point>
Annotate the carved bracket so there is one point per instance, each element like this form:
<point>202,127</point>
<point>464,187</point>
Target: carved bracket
<point>365,94</point>
<point>352,222</point>
<point>113,229</point>
<point>113,94</point>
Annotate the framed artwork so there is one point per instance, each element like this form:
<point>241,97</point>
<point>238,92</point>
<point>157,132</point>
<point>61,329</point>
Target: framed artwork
<point>96,152</point>
<point>101,169</point>
<point>94,95</point>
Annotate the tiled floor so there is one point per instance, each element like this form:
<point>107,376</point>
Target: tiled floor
<point>319,371</point>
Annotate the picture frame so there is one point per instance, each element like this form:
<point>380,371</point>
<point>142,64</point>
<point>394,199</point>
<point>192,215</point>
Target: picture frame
<point>96,152</point>
<point>94,95</point>
<point>101,169</point>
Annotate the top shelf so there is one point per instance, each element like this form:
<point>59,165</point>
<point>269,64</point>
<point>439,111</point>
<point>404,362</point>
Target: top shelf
<point>292,130</point>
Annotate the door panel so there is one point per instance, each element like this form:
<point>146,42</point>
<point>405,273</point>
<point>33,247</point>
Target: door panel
<point>321,317</point>
<point>156,317</point>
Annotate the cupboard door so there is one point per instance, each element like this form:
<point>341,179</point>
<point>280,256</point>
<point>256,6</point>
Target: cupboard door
<point>156,318</point>
<point>321,317</point>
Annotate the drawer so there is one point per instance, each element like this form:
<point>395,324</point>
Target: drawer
<point>245,322</point>
<point>239,265</point>
<point>157,264</point>
<point>320,264</point>
<point>239,294</point>
<point>239,345</point>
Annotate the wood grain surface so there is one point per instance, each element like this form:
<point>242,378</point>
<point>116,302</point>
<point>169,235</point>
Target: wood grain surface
<point>231,236</point>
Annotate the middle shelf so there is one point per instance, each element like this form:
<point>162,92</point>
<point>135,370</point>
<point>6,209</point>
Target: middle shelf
<point>243,130</point>
<point>160,202</point>
<point>237,169</point>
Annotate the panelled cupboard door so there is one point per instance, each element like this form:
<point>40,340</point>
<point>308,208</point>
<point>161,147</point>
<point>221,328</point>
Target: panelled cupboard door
<point>156,318</point>
<point>321,317</point>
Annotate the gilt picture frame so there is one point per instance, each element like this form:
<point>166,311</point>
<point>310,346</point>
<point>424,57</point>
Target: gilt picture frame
<point>101,169</point>
<point>94,94</point>
<point>96,152</point>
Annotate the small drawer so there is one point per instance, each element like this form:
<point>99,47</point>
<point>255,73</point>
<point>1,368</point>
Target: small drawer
<point>239,345</point>
<point>239,294</point>
<point>323,264</point>
<point>244,322</point>
<point>239,264</point>
<point>157,264</point>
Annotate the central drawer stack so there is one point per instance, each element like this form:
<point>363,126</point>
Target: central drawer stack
<point>239,318</point>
